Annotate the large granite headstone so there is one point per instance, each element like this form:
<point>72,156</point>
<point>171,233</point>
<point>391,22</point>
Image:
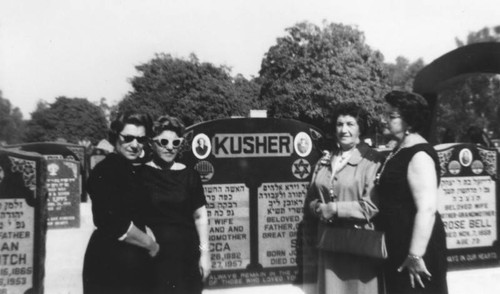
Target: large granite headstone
<point>22,222</point>
<point>255,173</point>
<point>468,204</point>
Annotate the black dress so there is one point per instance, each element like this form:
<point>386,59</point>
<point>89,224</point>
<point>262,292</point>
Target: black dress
<point>174,196</point>
<point>111,265</point>
<point>396,218</point>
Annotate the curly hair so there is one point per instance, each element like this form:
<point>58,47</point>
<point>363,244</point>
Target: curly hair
<point>168,123</point>
<point>352,109</point>
<point>413,108</point>
<point>129,118</point>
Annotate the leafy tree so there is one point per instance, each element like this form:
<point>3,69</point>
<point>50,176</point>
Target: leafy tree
<point>107,109</point>
<point>470,100</point>
<point>72,119</point>
<point>11,122</point>
<point>402,73</point>
<point>485,34</point>
<point>192,90</point>
<point>247,93</point>
<point>312,68</point>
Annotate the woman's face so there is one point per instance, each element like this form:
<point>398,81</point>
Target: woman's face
<point>166,145</point>
<point>131,141</point>
<point>347,131</point>
<point>395,123</point>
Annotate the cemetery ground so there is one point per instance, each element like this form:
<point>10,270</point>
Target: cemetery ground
<point>66,247</point>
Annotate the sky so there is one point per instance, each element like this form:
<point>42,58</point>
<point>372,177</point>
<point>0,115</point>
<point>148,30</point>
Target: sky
<point>89,48</point>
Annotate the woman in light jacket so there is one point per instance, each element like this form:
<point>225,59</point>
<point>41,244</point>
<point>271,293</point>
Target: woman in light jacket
<point>341,194</point>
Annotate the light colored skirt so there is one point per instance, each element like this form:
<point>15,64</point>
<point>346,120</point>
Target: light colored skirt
<point>343,273</point>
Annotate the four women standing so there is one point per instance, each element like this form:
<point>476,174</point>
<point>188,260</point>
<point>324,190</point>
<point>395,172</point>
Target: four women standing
<point>349,187</point>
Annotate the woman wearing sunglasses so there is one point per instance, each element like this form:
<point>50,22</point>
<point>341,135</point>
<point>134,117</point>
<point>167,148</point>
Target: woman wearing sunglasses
<point>178,215</point>
<point>118,257</point>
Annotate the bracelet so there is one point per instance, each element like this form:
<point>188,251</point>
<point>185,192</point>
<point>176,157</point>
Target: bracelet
<point>414,257</point>
<point>204,247</point>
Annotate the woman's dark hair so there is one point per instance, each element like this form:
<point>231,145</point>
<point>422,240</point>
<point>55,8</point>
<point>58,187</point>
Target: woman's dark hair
<point>352,109</point>
<point>413,108</point>
<point>168,123</point>
<point>129,118</point>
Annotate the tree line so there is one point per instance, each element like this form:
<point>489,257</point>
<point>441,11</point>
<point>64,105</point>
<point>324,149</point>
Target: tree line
<point>303,76</point>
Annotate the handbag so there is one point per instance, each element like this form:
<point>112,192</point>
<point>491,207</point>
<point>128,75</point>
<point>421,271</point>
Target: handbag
<point>350,238</point>
<point>353,240</point>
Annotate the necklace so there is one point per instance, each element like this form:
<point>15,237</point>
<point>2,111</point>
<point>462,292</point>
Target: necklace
<point>338,162</point>
<point>389,157</point>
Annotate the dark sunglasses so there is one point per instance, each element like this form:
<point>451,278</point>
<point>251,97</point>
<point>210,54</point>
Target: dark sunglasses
<point>394,115</point>
<point>130,138</point>
<point>164,142</point>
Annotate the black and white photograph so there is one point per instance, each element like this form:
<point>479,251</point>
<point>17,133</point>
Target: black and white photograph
<point>235,147</point>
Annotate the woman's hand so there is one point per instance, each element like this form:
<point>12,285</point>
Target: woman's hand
<point>326,211</point>
<point>416,269</point>
<point>154,249</point>
<point>205,265</point>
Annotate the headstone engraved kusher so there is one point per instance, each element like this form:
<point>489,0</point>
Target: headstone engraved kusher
<point>22,222</point>
<point>255,173</point>
<point>64,180</point>
<point>468,204</point>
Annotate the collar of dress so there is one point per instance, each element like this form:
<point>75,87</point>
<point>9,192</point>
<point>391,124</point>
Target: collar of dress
<point>357,155</point>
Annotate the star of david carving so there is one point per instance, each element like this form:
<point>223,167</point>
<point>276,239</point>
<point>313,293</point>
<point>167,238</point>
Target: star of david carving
<point>301,168</point>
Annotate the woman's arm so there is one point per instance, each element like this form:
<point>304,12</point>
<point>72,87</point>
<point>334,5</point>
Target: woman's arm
<point>137,237</point>
<point>108,186</point>
<point>201,222</point>
<point>422,180</point>
<point>362,206</point>
<point>365,207</point>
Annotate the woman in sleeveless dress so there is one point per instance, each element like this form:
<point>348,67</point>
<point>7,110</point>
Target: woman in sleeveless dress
<point>177,214</point>
<point>407,186</point>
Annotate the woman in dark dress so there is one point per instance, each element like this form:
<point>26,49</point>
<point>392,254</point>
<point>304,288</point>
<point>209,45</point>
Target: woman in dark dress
<point>119,254</point>
<point>407,185</point>
<point>178,215</point>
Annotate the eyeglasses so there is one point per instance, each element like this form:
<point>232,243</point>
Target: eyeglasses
<point>164,142</point>
<point>394,115</point>
<point>130,138</point>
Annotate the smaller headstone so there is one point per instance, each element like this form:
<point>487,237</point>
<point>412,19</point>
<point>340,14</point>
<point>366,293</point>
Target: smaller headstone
<point>22,222</point>
<point>468,204</point>
<point>63,186</point>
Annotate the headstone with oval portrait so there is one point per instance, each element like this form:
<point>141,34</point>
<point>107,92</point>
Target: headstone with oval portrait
<point>61,150</point>
<point>65,164</point>
<point>255,173</point>
<point>22,222</point>
<point>468,204</point>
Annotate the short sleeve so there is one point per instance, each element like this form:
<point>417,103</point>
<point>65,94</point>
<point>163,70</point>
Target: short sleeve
<point>198,194</point>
